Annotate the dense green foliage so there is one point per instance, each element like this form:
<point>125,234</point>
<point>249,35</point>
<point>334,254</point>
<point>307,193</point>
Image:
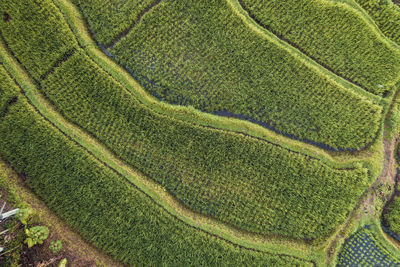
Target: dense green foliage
<point>392,215</point>
<point>363,249</point>
<point>200,53</point>
<point>386,15</point>
<point>33,29</point>
<point>110,18</point>
<point>7,96</point>
<point>204,168</point>
<point>335,36</point>
<point>102,206</point>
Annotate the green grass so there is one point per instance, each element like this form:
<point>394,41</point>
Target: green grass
<point>108,19</point>
<point>335,36</point>
<point>184,54</point>
<point>101,205</point>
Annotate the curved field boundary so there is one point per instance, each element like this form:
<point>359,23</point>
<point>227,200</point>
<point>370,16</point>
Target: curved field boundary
<point>298,54</point>
<point>356,5</point>
<point>339,159</point>
<point>293,44</point>
<point>386,16</point>
<point>158,194</point>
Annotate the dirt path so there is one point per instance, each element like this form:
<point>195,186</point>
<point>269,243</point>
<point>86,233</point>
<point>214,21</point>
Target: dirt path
<point>82,253</point>
<point>365,205</point>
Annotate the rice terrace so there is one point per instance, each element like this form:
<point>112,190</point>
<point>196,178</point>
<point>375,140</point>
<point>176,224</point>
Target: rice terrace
<point>199,133</point>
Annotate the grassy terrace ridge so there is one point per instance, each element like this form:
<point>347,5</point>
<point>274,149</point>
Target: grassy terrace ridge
<point>351,48</point>
<point>386,15</point>
<point>247,87</point>
<point>52,120</point>
<point>124,14</point>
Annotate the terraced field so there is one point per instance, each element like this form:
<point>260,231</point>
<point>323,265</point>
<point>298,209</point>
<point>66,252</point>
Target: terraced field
<point>257,82</point>
<point>201,132</point>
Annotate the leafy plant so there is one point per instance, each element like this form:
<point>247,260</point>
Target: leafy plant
<point>62,263</point>
<point>36,235</point>
<point>24,216</point>
<point>55,246</point>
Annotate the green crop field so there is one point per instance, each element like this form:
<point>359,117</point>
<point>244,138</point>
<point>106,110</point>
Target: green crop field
<point>243,73</point>
<point>207,132</point>
<point>392,217</point>
<point>361,56</point>
<point>386,15</point>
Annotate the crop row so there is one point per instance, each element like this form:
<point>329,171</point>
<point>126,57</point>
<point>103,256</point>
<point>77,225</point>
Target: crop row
<point>201,54</point>
<point>334,35</point>
<point>109,19</point>
<point>386,15</point>
<point>362,249</point>
<point>104,208</point>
